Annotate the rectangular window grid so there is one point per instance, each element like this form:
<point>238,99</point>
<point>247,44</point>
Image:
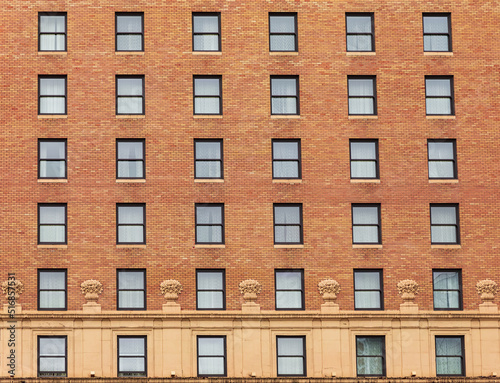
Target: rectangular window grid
<point>52,94</point>
<point>291,355</point>
<point>362,95</point>
<point>288,224</point>
<point>444,224</point>
<point>442,159</point>
<point>364,159</point>
<point>130,32</point>
<point>450,356</point>
<point>130,158</point>
<point>131,223</point>
<point>286,159</point>
<point>366,227</point>
<point>52,32</point>
<point>52,156</point>
<point>283,32</point>
<point>210,289</point>
<point>207,95</point>
<point>360,35</point>
<point>368,290</point>
<point>52,356</point>
<point>52,224</point>
<point>370,355</point>
<point>209,223</point>
<point>285,95</point>
<point>52,286</point>
<point>437,32</point>
<point>439,95</point>
<point>447,288</point>
<point>130,94</point>
<point>131,289</point>
<point>289,289</point>
<point>211,355</point>
<point>208,159</point>
<point>206,32</point>
<point>132,356</point>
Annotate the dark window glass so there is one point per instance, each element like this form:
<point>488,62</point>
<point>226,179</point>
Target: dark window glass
<point>129,31</point>
<point>283,32</point>
<point>52,356</point>
<point>359,31</point>
<point>51,158</point>
<point>437,32</point>
<point>364,158</point>
<point>366,228</point>
<point>132,351</point>
<point>291,355</point>
<point>439,95</point>
<point>51,94</point>
<point>444,224</point>
<point>442,159</point>
<point>447,289</point>
<point>207,94</point>
<point>131,223</point>
<point>211,355</point>
<point>210,290</point>
<point>285,95</point>
<point>289,289</point>
<point>370,355</point>
<point>362,95</point>
<point>450,359</point>
<point>130,159</point>
<point>209,223</point>
<point>52,32</point>
<point>206,32</point>
<point>52,289</point>
<point>129,94</point>
<point>368,290</point>
<point>208,159</point>
<point>288,224</point>
<point>131,289</point>
<point>52,224</point>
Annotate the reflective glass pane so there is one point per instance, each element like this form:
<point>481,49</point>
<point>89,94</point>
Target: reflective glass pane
<point>52,364</point>
<point>449,366</point>
<point>438,106</point>
<point>282,24</point>
<point>290,366</point>
<point>52,234</point>
<point>206,24</point>
<point>369,366</point>
<point>287,214</point>
<point>52,150</point>
<point>130,214</point>
<point>208,214</point>
<point>290,346</point>
<point>367,280</point>
<point>283,43</point>
<point>52,346</point>
<point>363,151</point>
<point>370,346</point>
<point>284,105</point>
<point>441,169</point>
<point>285,150</point>
<point>210,366</point>
<point>446,300</point>
<point>441,151</point>
<point>52,42</point>
<point>448,346</point>
<point>126,24</point>
<point>446,280</point>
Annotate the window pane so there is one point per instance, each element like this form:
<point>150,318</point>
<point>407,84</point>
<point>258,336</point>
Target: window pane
<point>130,105</point>
<point>52,86</point>
<point>52,299</point>
<point>208,150</point>
<point>436,24</point>
<point>287,215</point>
<point>290,346</point>
<point>210,281</point>
<point>52,364</point>
<point>130,169</point>
<point>208,169</point>
<point>131,299</point>
<point>52,346</point>
<point>52,280</point>
<point>210,366</point>
<point>52,150</point>
<point>286,169</point>
<point>360,87</point>
<point>52,42</point>
<point>437,87</point>
<point>369,366</point>
<point>290,366</point>
<point>443,215</point>
<point>288,299</point>
<point>206,24</point>
<point>210,346</point>
<point>363,151</point>
<point>282,24</point>
<point>130,150</point>
<point>131,234</point>
<point>129,87</point>
<point>206,42</point>
<point>131,365</point>
<point>206,86</point>
<point>365,215</point>
<point>446,300</point>
<point>210,300</point>
<point>209,234</point>
<point>130,214</point>
<point>285,150</point>
<point>367,280</point>
<point>288,280</point>
<point>131,280</point>
<point>52,105</point>
<point>441,169</point>
<point>436,43</point>
<point>443,234</point>
<point>361,43</point>
<point>365,234</point>
<point>449,366</point>
<point>441,151</point>
<point>284,105</point>
<point>361,106</point>
<point>131,346</point>
<point>52,169</point>
<point>359,24</point>
<point>449,346</point>
<point>283,42</point>
<point>52,234</point>
<point>208,214</point>
<point>52,24</point>
<point>438,106</point>
<point>129,42</point>
<point>370,346</point>
<point>52,214</point>
<point>129,24</point>
<point>363,169</point>
<point>207,105</point>
<point>287,234</point>
<point>284,86</point>
<point>446,280</point>
<point>367,299</point>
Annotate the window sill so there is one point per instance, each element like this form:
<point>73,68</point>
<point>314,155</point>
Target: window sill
<point>48,180</point>
<point>130,246</point>
<point>284,53</point>
<point>285,116</point>
<point>360,53</point>
<point>52,246</point>
<point>207,53</point>
<point>133,53</point>
<point>42,116</point>
<point>207,116</point>
<point>361,181</point>
<point>362,117</point>
<point>438,54</point>
<point>446,246</point>
<point>287,181</point>
<point>366,246</point>
<point>209,180</point>
<point>288,246</point>
<point>444,181</point>
<point>130,116</point>
<point>137,181</point>
<point>53,53</point>
<point>209,246</point>
<point>440,117</point>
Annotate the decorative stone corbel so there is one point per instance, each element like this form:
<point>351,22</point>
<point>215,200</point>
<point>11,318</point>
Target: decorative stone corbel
<point>250,288</point>
<point>170,289</point>
<point>12,289</point>
<point>91,288</point>
<point>407,289</point>
<point>487,289</point>
<point>329,289</point>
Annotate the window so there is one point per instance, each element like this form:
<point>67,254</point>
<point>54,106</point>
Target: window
<point>52,32</point>
<point>207,94</point>
<point>52,95</point>
<point>132,361</point>
<point>209,223</point>
<point>289,289</point>
<point>450,356</point>
<point>288,224</point>
<point>442,159</point>
<point>206,32</point>
<point>52,356</point>
<point>368,290</point>
<point>285,95</point>
<point>370,355</point>
<point>366,228</point>
<point>286,159</point>
<point>444,224</point>
<point>210,290</point>
<point>130,158</point>
<point>283,32</point>
<point>211,355</point>
<point>52,224</point>
<point>51,158</point>
<point>447,285</point>
<point>208,159</point>
<point>291,355</point>
<point>130,32</point>
<point>364,159</point>
<point>359,30</point>
<point>129,94</point>
<point>131,289</point>
<point>439,95</point>
<point>131,223</point>
<point>52,286</point>
<point>362,95</point>
<point>437,32</point>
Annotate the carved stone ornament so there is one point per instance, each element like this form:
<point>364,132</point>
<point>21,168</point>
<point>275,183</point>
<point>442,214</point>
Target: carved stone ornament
<point>12,289</point>
<point>329,288</point>
<point>250,288</point>
<point>487,289</point>
<point>171,289</point>
<point>91,288</point>
<point>408,288</point>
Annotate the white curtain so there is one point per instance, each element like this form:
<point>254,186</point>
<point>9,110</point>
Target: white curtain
<point>52,354</point>
<point>367,281</point>
<point>290,356</point>
<point>443,215</point>
<point>359,24</point>
<point>52,150</point>
<point>51,29</point>
<point>211,356</point>
<point>448,356</point>
<point>367,219</point>
<point>363,151</point>
<point>285,25</point>
<point>441,151</point>
<point>282,89</point>
<point>52,219</point>
<point>449,284</point>
<point>131,87</point>
<point>210,151</point>
<point>285,151</point>
<point>361,104</point>
<point>210,299</point>
<point>291,281</point>
<point>207,87</point>
<point>52,280</point>
<point>52,95</point>
<point>129,24</point>
<point>208,27</point>
<point>131,280</point>
<point>440,90</point>
<point>130,151</point>
<point>131,354</point>
<point>370,352</point>
<point>287,221</point>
